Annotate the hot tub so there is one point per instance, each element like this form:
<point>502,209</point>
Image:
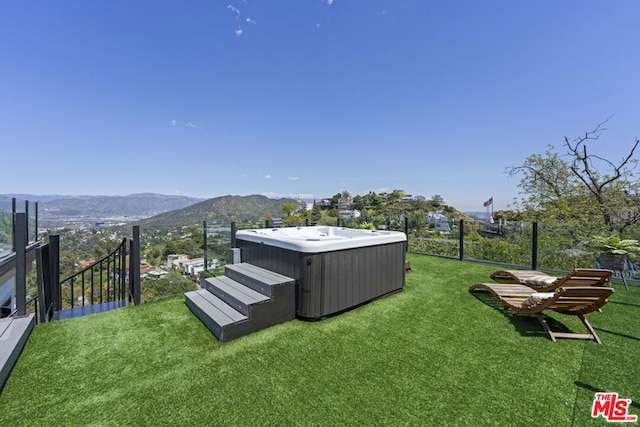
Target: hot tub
<point>335,268</point>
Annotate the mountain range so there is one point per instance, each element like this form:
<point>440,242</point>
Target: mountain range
<point>149,209</point>
<point>229,208</point>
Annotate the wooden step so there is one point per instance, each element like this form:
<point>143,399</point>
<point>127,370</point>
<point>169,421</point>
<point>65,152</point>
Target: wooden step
<point>218,316</point>
<point>256,278</point>
<point>14,332</point>
<point>246,300</point>
<point>235,294</point>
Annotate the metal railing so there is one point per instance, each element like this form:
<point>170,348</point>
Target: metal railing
<point>111,278</point>
<point>102,281</point>
<point>34,301</point>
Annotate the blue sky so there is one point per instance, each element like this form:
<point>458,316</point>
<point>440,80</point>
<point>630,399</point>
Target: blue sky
<point>307,97</point>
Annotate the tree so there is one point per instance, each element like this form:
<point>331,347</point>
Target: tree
<point>358,203</point>
<point>288,208</point>
<point>316,213</point>
<point>581,185</point>
<point>395,195</point>
<point>437,200</point>
<point>335,199</point>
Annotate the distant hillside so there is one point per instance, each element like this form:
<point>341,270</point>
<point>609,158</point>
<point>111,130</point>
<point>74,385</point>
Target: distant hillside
<point>52,209</point>
<point>219,209</point>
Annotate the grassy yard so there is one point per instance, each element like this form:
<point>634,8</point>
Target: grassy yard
<point>432,355</point>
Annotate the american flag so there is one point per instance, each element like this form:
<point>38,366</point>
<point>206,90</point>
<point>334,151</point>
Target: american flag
<point>488,202</point>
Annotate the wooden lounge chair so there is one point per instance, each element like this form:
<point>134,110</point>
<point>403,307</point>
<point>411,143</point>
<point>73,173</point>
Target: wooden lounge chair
<point>544,283</point>
<point>573,300</point>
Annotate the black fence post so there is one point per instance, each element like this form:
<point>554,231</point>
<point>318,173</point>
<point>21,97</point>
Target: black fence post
<point>205,245</point>
<point>338,222</point>
<point>266,223</point>
<point>134,269</point>
<point>26,224</point>
<point>461,239</point>
<point>36,222</point>
<point>406,233</point>
<point>534,246</point>
<point>123,273</point>
<point>234,228</point>
<point>42,268</point>
<point>55,294</point>
<point>20,243</point>
<point>306,222</point>
<point>13,224</point>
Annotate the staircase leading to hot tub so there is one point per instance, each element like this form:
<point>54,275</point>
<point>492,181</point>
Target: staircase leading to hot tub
<point>245,300</point>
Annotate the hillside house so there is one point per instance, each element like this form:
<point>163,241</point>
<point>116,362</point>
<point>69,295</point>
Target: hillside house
<point>353,213</point>
<point>324,204</point>
<point>344,203</point>
<point>439,222</point>
<point>176,261</point>
<point>196,266</point>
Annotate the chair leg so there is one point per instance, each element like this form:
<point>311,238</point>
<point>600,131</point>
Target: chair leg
<point>587,325</point>
<point>624,280</point>
<point>553,335</point>
<point>546,327</point>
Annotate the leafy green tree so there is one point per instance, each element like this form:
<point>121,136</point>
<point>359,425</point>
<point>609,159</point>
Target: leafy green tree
<point>358,203</point>
<point>174,283</point>
<point>5,226</point>
<point>437,200</point>
<point>293,221</point>
<point>68,264</point>
<point>395,195</point>
<point>316,213</point>
<point>335,199</point>
<point>580,186</point>
<point>104,247</point>
<point>288,208</point>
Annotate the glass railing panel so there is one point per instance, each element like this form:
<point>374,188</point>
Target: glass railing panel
<point>565,246</point>
<point>6,232</point>
<point>507,242</point>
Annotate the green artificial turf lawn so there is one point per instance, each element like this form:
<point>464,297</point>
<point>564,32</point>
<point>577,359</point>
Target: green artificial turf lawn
<point>433,354</point>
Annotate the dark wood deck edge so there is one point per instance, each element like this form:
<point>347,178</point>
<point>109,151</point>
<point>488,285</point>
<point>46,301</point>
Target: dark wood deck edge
<point>13,343</point>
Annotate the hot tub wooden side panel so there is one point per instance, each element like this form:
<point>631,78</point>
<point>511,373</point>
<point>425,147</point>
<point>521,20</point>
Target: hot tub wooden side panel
<point>355,276</point>
<point>331,282</point>
<point>282,261</point>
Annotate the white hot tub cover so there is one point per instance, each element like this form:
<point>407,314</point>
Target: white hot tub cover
<point>317,239</point>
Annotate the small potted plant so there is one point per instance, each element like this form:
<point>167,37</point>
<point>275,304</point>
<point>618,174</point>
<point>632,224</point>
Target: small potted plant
<point>614,251</point>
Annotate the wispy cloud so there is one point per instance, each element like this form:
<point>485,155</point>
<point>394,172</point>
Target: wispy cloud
<point>329,2</point>
<point>234,9</point>
<point>174,123</point>
<point>292,178</point>
<point>190,125</point>
<point>250,21</point>
<point>267,177</point>
<point>238,31</point>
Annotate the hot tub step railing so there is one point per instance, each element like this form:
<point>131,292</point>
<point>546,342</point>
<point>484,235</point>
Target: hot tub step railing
<point>245,300</point>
